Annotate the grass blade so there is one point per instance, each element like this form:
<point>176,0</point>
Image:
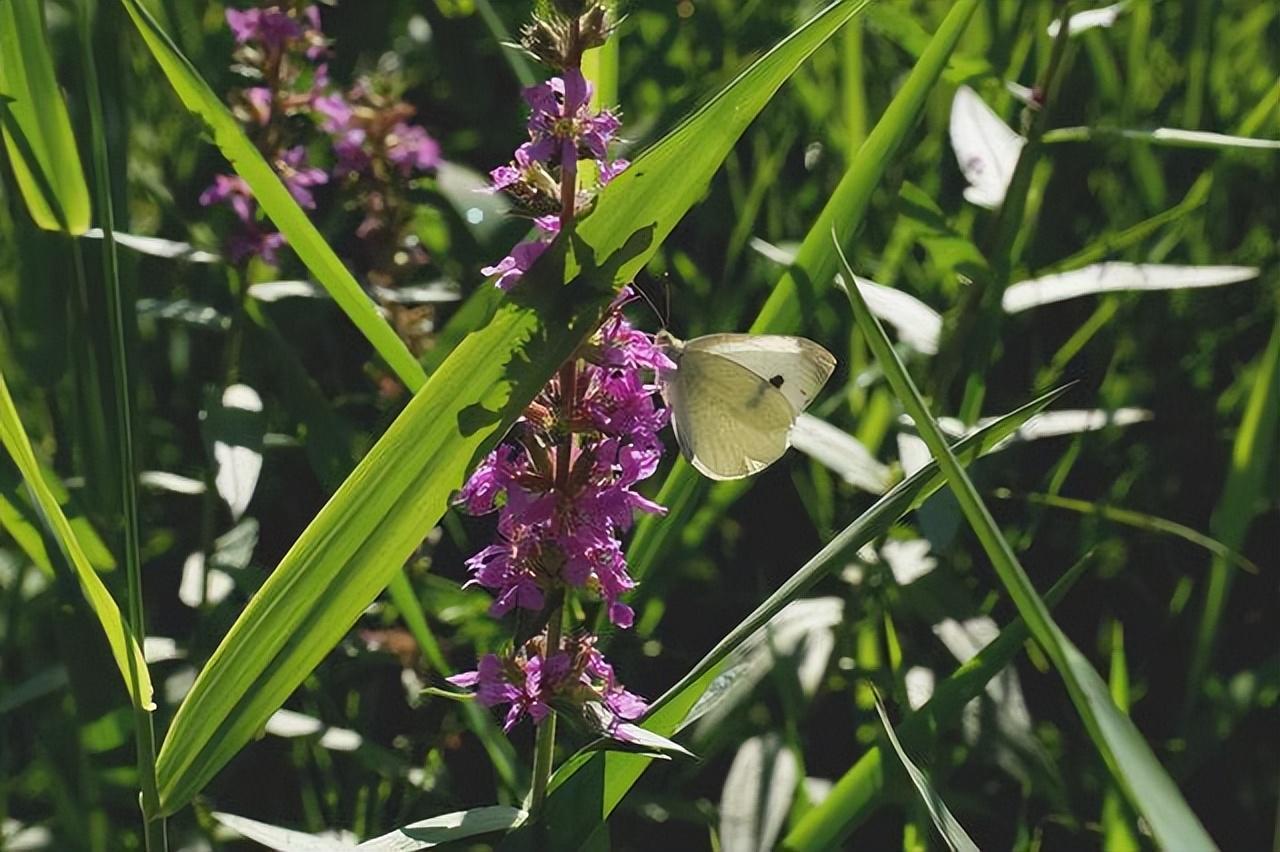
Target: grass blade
<point>36,127</point>
<point>948,826</point>
<point>276,201</point>
<point>1132,763</point>
<point>1138,520</point>
<point>104,606</point>
<point>353,547</point>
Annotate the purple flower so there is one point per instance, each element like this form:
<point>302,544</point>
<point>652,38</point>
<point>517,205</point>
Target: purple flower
<point>530,681</point>
<point>253,241</point>
<point>299,178</point>
<point>607,170</point>
<point>513,267</point>
<point>561,121</point>
<point>270,27</point>
<point>232,190</point>
<point>334,111</point>
<point>411,149</point>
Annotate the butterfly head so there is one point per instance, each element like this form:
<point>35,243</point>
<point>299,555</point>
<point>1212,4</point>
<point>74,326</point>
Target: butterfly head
<point>669,343</point>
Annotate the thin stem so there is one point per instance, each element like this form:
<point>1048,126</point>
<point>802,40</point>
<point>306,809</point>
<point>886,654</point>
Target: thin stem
<point>154,832</point>
<point>545,746</point>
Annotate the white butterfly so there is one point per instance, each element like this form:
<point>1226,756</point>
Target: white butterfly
<point>735,397</point>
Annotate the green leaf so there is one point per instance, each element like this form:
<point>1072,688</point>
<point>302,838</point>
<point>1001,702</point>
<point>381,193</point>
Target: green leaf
<point>104,606</point>
<point>22,521</point>
<point>447,828</point>
<point>276,201</point>
<point>813,269</point>
<point>380,514</point>
<point>958,840</point>
<point>36,128</point>
<point>605,779</point>
<point>1130,759</point>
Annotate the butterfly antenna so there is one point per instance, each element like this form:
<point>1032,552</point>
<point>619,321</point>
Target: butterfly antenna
<point>653,306</point>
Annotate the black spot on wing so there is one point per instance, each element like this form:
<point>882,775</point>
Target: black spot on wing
<point>777,381</point>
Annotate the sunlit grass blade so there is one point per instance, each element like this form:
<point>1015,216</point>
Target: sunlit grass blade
<point>861,789</point>
<point>378,516</point>
<point>1130,759</point>
<point>1137,520</point>
<point>35,124</point>
<point>948,826</point>
<point>104,606</point>
<point>1118,833</point>
<point>606,778</point>
<point>1167,136</point>
<point>814,265</point>
<point>275,199</point>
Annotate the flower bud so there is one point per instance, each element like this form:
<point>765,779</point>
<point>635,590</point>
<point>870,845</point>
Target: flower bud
<point>594,27</point>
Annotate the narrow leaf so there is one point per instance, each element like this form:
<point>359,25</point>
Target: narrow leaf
<point>35,124</point>
<point>158,247</point>
<point>948,826</point>
<point>104,606</point>
<point>757,795</point>
<point>1114,276</point>
<point>1089,19</point>
<point>281,839</point>
<point>447,828</point>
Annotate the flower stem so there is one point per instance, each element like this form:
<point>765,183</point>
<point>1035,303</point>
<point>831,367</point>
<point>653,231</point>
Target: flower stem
<point>545,745</point>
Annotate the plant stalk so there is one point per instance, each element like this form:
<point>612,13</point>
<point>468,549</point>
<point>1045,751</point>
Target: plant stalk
<point>155,835</point>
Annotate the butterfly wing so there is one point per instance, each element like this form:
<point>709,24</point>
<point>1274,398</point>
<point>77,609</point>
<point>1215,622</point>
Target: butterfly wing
<point>729,421</point>
<point>795,366</point>
<point>986,148</point>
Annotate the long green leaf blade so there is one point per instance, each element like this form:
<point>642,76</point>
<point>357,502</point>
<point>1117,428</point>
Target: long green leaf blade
<point>1130,759</point>
<point>104,606</point>
<point>402,487</point>
<point>276,201</point>
<point>35,124</point>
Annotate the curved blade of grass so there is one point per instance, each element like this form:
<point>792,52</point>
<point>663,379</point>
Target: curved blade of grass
<point>353,547</point>
<point>858,792</point>
<point>276,201</point>
<point>1132,763</point>
<point>1137,520</point>
<point>603,779</point>
<point>948,826</point>
<point>1169,136</point>
<point>814,267</point>
<point>35,124</point>
<point>104,606</point>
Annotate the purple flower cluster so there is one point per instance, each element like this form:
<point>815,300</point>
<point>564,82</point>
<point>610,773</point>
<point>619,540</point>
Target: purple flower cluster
<point>563,129</point>
<point>533,682</point>
<point>561,514</point>
<point>561,527</point>
<point>375,147</point>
